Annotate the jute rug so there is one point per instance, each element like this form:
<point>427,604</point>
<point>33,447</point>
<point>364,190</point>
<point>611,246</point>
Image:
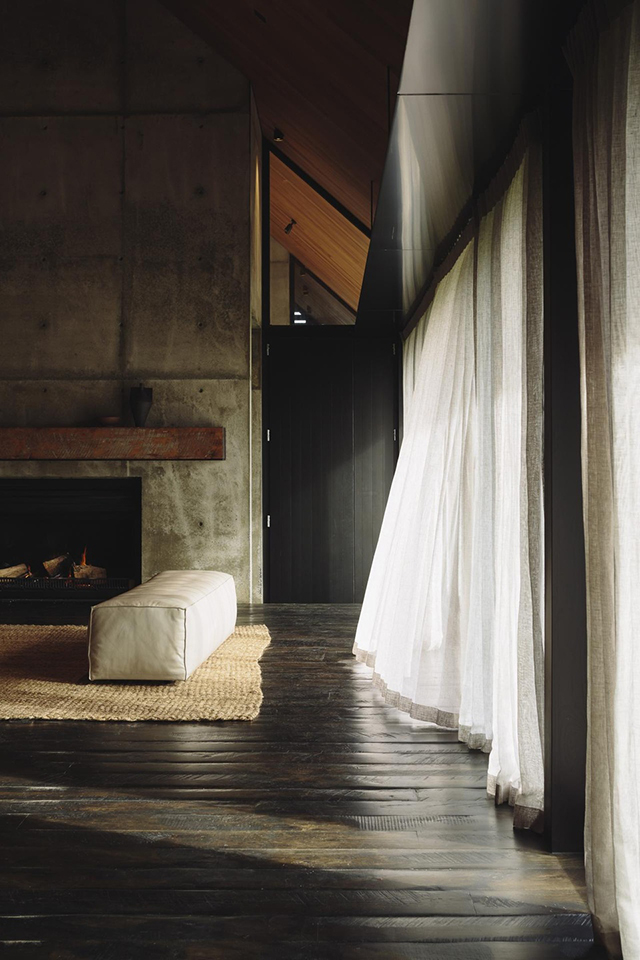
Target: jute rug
<point>44,676</point>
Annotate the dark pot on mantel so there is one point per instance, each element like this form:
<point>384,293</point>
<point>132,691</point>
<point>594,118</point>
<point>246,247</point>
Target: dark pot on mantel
<point>140,400</point>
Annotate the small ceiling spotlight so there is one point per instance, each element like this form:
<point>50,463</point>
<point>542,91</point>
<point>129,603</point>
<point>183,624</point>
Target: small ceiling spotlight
<point>297,317</point>
<point>289,227</point>
<point>278,135</point>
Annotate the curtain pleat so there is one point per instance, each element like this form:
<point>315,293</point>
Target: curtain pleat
<point>604,53</point>
<point>452,617</point>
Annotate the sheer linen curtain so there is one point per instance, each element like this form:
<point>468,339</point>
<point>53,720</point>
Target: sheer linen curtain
<point>452,617</point>
<point>410,626</point>
<point>411,355</point>
<point>605,57</point>
<point>506,696</point>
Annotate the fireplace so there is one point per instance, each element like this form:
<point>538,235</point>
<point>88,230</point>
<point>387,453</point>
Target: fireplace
<point>75,539</point>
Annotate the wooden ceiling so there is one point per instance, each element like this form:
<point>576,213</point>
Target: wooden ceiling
<point>320,305</point>
<point>322,239</point>
<point>325,73</point>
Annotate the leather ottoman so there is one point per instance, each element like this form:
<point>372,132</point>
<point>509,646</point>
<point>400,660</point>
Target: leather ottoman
<point>163,629</point>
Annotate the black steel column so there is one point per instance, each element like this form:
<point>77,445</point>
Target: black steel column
<point>265,172</point>
<point>566,639</point>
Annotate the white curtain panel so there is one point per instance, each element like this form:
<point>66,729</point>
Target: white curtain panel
<point>506,697</point>
<point>411,355</point>
<point>452,617</point>
<point>410,626</point>
<point>605,58</point>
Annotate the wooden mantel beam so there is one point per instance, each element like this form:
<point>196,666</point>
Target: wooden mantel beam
<point>112,443</point>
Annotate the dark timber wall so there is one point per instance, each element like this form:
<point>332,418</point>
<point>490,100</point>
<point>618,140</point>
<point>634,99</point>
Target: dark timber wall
<point>125,246</point>
<point>332,420</point>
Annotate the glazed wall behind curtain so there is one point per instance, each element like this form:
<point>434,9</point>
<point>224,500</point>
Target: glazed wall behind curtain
<point>452,617</point>
<point>605,58</point>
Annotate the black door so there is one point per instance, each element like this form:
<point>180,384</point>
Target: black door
<point>330,417</point>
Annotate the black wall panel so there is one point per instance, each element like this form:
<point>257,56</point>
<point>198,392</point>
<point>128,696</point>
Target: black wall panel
<point>331,448</point>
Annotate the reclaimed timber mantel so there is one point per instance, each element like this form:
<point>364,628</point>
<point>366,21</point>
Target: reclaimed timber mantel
<point>112,443</point>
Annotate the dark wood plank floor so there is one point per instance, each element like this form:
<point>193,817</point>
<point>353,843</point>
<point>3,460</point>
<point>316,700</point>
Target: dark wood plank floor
<point>331,826</point>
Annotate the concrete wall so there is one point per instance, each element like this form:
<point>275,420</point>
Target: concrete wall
<point>280,285</point>
<point>126,207</point>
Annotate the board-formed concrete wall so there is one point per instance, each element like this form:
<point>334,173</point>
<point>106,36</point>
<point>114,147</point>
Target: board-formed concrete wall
<point>125,249</point>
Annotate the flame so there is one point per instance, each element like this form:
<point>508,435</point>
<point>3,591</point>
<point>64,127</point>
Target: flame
<point>83,562</point>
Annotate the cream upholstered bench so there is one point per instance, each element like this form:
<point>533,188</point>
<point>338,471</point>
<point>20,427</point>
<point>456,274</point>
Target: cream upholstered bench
<point>163,629</point>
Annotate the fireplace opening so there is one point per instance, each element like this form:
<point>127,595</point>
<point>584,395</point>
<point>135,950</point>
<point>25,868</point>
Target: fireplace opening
<point>70,539</point>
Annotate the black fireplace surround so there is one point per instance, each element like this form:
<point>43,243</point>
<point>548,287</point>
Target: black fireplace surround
<point>45,518</point>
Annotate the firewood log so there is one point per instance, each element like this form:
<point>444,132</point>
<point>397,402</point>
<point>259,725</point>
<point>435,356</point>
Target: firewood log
<point>16,573</point>
<point>86,571</point>
<point>57,565</point>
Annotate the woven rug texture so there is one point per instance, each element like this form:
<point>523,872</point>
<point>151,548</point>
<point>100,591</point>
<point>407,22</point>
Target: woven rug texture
<point>44,676</point>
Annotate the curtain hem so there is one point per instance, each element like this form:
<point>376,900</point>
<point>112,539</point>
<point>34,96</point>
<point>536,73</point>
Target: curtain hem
<point>475,741</point>
<point>524,817</point>
<point>421,711</point>
<point>417,711</point>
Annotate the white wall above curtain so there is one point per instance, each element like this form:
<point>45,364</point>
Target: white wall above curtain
<point>452,616</point>
<point>605,58</point>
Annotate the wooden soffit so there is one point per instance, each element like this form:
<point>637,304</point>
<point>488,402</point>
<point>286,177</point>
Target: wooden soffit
<point>324,240</point>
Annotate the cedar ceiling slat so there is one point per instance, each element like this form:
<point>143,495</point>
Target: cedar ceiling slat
<point>323,240</point>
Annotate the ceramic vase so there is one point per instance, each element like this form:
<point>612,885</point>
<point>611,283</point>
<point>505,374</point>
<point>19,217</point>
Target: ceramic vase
<point>140,400</point>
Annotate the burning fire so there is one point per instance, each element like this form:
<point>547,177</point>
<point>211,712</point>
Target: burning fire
<point>74,566</point>
<point>56,568</point>
<point>87,571</point>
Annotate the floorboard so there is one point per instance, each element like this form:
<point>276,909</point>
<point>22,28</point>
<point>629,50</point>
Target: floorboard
<point>331,827</point>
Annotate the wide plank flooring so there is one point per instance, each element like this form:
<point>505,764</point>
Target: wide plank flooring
<point>330,827</point>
